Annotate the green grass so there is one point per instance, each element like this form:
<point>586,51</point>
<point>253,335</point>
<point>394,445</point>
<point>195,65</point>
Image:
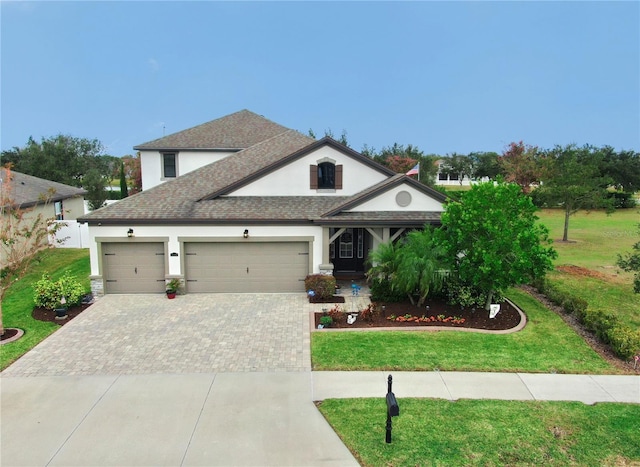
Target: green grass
<point>616,299</point>
<point>18,302</point>
<point>488,433</point>
<point>545,345</point>
<point>598,237</point>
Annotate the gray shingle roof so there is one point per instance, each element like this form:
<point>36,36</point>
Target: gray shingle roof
<point>27,190</point>
<point>239,130</point>
<point>177,199</point>
<point>200,196</point>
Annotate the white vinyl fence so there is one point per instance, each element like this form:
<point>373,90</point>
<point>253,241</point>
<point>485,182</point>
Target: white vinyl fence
<point>75,235</point>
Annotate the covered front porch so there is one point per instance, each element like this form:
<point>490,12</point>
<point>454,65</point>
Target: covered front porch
<point>346,248</point>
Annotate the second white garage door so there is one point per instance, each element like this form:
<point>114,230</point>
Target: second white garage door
<point>245,267</point>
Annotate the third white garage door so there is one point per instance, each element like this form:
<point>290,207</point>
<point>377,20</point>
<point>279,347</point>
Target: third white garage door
<point>246,267</point>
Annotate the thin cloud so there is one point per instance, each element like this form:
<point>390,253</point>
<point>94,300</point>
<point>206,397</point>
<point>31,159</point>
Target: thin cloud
<point>153,65</point>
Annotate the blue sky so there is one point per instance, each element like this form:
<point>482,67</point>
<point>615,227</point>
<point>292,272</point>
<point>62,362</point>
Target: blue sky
<point>444,76</point>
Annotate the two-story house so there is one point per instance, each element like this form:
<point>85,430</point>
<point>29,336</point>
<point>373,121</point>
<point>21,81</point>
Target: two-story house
<point>242,204</point>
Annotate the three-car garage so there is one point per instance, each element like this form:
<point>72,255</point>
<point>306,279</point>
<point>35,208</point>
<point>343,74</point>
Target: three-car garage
<point>209,266</point>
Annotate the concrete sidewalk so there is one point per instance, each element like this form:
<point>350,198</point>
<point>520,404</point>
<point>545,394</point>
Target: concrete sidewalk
<point>239,419</point>
<point>454,385</point>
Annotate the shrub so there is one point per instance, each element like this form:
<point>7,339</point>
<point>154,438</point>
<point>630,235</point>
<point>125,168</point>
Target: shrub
<point>326,321</point>
<point>49,293</point>
<point>368,313</point>
<point>381,291</point>
<point>575,305</point>
<point>624,341</point>
<point>335,313</point>
<point>468,296</point>
<point>322,285</point>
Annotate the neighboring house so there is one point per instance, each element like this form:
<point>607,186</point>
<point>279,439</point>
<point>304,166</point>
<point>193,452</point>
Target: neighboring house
<point>253,207</point>
<point>52,200</point>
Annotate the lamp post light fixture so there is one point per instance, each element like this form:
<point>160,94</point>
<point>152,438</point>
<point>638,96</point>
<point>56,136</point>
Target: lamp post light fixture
<point>246,233</point>
<point>130,233</point>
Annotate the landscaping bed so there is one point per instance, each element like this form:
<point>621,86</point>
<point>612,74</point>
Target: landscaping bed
<point>439,313</point>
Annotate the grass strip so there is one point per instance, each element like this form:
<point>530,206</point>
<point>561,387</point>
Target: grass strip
<point>487,433</point>
<point>545,345</point>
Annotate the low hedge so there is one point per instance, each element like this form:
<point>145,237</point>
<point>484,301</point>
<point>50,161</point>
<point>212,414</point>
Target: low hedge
<point>623,340</point>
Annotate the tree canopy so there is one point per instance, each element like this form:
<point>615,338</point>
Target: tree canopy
<point>493,235</point>
<point>573,180</point>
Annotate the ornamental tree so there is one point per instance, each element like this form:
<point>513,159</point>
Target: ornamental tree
<point>495,238</point>
<point>521,165</point>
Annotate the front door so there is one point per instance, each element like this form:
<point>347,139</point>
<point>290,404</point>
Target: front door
<point>349,250</point>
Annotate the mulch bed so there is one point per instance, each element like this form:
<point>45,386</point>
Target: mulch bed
<point>45,314</point>
<point>507,318</point>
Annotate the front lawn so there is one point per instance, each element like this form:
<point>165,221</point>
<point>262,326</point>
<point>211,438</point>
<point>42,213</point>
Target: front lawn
<point>488,433</point>
<point>546,345</point>
<point>18,302</point>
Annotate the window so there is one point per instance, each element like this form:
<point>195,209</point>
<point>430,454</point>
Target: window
<point>59,213</point>
<point>326,176</point>
<point>169,165</point>
<point>346,244</point>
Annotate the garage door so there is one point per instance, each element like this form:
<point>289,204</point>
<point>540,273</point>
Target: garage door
<point>133,267</point>
<point>246,267</point>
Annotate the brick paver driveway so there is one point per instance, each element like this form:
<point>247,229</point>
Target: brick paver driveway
<point>195,333</point>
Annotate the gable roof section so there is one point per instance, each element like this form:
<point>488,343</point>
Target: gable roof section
<point>278,162</point>
<point>27,190</point>
<point>380,188</point>
<point>239,130</point>
<point>177,199</point>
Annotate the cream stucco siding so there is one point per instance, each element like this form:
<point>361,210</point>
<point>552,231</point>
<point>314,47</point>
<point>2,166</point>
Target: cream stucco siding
<point>175,236</point>
<point>388,201</point>
<point>282,182</point>
<point>186,161</point>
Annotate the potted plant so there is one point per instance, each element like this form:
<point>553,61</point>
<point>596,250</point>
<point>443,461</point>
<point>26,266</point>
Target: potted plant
<point>172,288</point>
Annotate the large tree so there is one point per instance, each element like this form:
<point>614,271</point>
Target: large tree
<point>495,238</point>
<point>521,164</point>
<point>23,232</point>
<point>485,164</point>
<point>622,167</point>
<point>458,165</point>
<point>573,180</point>
<point>62,158</point>
<point>401,159</point>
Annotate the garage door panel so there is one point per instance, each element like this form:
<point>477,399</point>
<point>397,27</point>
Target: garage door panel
<point>133,267</point>
<point>246,267</point>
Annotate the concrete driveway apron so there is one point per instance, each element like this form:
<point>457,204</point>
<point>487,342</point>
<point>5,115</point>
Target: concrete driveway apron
<point>139,380</point>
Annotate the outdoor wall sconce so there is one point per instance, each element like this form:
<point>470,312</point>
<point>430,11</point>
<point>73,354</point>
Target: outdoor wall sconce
<point>246,233</point>
<point>130,233</point>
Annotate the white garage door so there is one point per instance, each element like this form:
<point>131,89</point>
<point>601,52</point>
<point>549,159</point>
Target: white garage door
<point>246,267</point>
<point>133,267</point>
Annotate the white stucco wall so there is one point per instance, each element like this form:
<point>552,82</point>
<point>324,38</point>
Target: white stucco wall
<point>293,179</point>
<point>387,202</point>
<point>186,161</point>
<point>256,233</point>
